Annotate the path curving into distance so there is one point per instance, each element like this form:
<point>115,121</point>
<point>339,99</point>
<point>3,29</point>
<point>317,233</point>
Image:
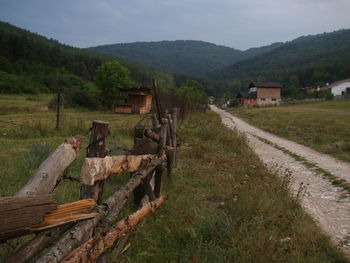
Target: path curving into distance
<point>327,204</point>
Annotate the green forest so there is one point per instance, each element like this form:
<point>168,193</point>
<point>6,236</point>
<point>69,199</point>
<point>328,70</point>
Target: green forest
<point>305,61</point>
<point>181,57</point>
<point>30,63</point>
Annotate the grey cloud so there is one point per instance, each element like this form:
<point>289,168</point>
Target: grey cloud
<point>236,23</point>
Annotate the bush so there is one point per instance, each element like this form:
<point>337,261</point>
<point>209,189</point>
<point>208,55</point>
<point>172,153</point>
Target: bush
<point>89,99</point>
<point>16,84</point>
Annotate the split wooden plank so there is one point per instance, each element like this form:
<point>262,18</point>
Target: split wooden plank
<point>22,215</point>
<point>95,169</point>
<point>45,178</point>
<point>94,247</point>
<point>63,214</point>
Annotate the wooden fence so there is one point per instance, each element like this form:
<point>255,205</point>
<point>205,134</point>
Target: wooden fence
<point>83,230</point>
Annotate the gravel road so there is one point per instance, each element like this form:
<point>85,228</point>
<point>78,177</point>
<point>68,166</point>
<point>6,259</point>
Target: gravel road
<point>327,204</point>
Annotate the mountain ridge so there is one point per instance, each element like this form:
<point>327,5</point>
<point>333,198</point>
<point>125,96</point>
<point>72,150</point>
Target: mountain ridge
<point>323,54</point>
<point>180,56</point>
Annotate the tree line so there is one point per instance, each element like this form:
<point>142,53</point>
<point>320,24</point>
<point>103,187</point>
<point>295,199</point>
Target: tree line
<point>30,63</point>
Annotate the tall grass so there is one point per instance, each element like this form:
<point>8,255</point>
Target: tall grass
<point>224,206</point>
<point>323,126</point>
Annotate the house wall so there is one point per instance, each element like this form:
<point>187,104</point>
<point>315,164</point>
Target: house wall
<point>123,109</point>
<point>137,99</point>
<point>246,102</point>
<point>140,103</point>
<point>273,93</point>
<point>339,89</point>
<point>149,100</point>
<point>311,90</point>
<point>267,101</point>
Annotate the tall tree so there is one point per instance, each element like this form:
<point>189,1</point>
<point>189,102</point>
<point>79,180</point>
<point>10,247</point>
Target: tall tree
<point>193,92</point>
<point>110,77</point>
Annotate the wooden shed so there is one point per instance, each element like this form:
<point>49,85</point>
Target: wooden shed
<point>139,100</point>
<point>246,99</point>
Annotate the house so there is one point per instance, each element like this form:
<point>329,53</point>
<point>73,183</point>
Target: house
<point>139,100</point>
<point>340,89</point>
<point>310,89</point>
<point>261,94</point>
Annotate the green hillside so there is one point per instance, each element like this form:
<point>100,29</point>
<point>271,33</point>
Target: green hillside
<point>310,60</point>
<point>187,57</point>
<point>30,63</point>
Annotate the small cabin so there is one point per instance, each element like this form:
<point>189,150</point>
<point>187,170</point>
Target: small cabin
<point>261,94</point>
<point>139,101</point>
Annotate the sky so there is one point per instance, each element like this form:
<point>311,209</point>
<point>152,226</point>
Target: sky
<point>240,24</point>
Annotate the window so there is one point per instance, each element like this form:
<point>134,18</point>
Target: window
<point>273,99</point>
<point>263,99</point>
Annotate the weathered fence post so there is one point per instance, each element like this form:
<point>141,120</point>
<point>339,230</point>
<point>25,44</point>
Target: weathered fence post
<point>156,97</point>
<point>96,148</point>
<point>58,107</point>
<point>173,133</point>
<point>169,131</point>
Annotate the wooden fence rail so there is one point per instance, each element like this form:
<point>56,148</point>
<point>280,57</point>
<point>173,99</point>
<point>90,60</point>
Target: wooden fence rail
<point>154,151</point>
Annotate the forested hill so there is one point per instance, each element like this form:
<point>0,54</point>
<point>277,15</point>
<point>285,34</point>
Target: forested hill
<point>311,59</point>
<point>187,57</point>
<point>31,63</point>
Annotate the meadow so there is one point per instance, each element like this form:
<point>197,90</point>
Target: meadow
<point>323,126</point>
<point>223,206</point>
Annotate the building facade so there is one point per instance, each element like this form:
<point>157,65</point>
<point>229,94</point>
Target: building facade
<point>260,94</point>
<point>139,100</point>
<point>340,89</point>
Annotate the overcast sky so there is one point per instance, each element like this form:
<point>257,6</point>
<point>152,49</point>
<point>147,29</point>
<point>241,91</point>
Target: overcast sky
<point>235,23</point>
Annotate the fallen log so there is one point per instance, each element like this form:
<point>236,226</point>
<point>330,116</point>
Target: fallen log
<point>95,169</point>
<point>44,179</point>
<point>109,211</point>
<point>22,215</point>
<point>95,246</point>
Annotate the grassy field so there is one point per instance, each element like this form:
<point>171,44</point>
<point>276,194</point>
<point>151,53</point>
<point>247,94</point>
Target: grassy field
<point>223,205</point>
<point>324,126</point>
<point>27,135</point>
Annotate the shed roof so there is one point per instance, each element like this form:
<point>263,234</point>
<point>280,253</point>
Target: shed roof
<point>137,90</point>
<point>265,85</point>
<point>246,94</point>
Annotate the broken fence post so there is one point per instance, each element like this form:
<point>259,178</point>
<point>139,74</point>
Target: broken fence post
<point>96,148</point>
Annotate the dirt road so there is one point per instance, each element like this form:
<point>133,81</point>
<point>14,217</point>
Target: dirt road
<point>327,204</point>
